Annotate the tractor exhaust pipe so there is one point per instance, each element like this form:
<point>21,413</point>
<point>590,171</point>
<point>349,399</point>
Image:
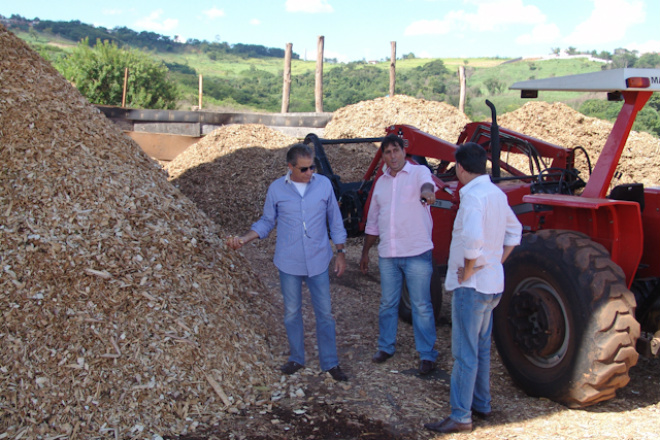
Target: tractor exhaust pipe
<point>494,142</point>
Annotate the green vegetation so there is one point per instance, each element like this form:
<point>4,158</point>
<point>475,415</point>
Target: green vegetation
<point>647,120</point>
<point>98,74</point>
<point>249,77</point>
<point>493,83</point>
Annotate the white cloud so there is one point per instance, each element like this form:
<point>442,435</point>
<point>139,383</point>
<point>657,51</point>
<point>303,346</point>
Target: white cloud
<point>214,13</point>
<point>255,22</point>
<point>645,47</point>
<point>609,21</point>
<point>427,27</point>
<point>489,15</point>
<point>310,6</point>
<point>542,33</point>
<point>153,22</point>
<point>449,23</point>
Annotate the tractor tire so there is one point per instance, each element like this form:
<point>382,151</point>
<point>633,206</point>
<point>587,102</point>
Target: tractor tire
<point>565,327</point>
<point>437,289</point>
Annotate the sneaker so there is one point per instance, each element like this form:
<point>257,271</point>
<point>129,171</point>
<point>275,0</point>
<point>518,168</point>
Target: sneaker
<point>291,367</point>
<point>337,374</point>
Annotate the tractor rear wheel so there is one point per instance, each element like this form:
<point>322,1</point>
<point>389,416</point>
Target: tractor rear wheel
<point>565,327</point>
<point>437,284</point>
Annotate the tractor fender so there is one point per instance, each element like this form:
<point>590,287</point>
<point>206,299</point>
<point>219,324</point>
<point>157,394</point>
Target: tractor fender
<point>614,224</point>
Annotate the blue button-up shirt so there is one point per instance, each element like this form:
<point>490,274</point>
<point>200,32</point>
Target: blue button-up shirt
<point>303,246</point>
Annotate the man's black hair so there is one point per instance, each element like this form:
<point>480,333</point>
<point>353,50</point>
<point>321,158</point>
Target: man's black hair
<point>472,157</point>
<point>296,151</point>
<point>391,139</point>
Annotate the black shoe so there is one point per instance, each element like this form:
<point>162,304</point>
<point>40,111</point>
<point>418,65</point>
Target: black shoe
<point>481,415</point>
<point>380,357</point>
<point>425,367</point>
<point>337,374</point>
<point>448,426</point>
<point>291,367</point>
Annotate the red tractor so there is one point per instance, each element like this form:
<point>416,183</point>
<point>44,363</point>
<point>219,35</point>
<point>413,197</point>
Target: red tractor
<point>582,294</point>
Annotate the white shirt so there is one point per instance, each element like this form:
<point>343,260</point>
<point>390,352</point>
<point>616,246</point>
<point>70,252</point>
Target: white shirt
<point>484,225</point>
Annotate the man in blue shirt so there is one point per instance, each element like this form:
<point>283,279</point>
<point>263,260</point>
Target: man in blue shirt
<point>303,207</point>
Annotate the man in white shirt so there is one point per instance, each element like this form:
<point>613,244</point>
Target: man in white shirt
<point>485,232</point>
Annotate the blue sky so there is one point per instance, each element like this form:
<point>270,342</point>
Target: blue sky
<point>363,29</point>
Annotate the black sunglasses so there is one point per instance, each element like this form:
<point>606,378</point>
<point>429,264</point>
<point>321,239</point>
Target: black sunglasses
<point>304,169</point>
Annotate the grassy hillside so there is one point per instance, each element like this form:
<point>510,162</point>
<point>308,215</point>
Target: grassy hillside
<point>481,73</point>
<point>509,73</point>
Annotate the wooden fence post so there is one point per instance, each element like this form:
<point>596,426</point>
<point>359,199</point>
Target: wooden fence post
<point>462,81</point>
<point>319,75</point>
<point>200,92</point>
<point>123,94</point>
<point>393,68</point>
<point>286,87</point>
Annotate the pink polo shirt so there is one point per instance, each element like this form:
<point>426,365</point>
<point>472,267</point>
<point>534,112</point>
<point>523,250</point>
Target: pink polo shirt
<point>396,214</point>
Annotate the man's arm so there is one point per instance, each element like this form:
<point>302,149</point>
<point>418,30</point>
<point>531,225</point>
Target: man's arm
<point>340,260</point>
<point>369,241</point>
<point>468,269</point>
<point>506,252</point>
<point>238,242</point>
<point>427,193</point>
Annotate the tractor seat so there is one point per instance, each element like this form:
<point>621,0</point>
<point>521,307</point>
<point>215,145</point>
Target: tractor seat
<point>632,192</point>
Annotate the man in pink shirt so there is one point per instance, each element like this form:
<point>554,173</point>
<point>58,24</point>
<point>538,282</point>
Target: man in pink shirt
<point>399,214</point>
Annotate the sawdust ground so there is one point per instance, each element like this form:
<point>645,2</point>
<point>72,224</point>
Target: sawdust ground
<point>390,401</point>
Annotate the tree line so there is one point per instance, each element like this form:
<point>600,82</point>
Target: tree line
<point>620,58</point>
<point>75,30</point>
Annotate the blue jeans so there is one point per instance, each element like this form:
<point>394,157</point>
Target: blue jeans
<point>319,288</point>
<point>417,272</point>
<point>472,325</point>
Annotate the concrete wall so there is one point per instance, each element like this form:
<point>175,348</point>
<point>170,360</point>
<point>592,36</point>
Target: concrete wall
<point>165,133</point>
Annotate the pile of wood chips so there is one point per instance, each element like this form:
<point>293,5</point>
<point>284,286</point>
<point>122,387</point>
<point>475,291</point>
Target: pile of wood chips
<point>370,118</point>
<point>122,314</point>
<point>559,124</point>
<point>228,172</point>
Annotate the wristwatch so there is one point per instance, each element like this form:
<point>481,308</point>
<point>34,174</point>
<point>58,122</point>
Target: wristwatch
<point>341,251</point>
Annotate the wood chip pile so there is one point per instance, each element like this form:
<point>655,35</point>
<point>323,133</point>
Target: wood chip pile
<point>121,311</point>
<point>228,172</point>
<point>559,124</point>
<point>370,118</point>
